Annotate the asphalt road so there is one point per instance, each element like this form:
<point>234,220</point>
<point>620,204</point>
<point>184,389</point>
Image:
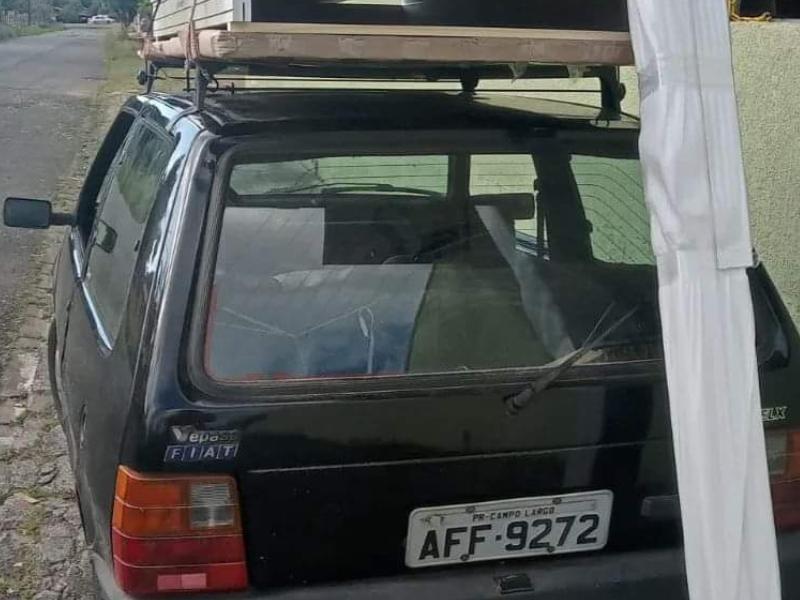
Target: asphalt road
<point>45,82</point>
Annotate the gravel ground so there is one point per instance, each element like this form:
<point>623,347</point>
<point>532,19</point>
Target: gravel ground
<point>42,551</point>
<point>42,555</point>
<point>47,85</point>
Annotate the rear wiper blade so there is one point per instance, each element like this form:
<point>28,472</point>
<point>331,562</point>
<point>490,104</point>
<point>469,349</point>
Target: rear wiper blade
<point>516,403</point>
<point>344,187</point>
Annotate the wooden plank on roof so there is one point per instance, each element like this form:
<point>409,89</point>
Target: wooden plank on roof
<point>267,42</point>
<point>173,15</point>
<point>416,30</point>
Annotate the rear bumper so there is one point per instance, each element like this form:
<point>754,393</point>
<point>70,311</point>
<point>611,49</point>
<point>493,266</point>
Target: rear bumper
<point>655,575</point>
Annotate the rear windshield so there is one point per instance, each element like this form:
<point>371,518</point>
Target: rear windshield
<point>375,262</point>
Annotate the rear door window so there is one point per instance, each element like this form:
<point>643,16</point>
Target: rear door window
<point>365,266</point>
<point>379,174</point>
<point>126,199</point>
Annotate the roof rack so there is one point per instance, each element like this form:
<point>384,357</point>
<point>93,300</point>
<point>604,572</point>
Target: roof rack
<point>204,78</point>
<point>468,55</point>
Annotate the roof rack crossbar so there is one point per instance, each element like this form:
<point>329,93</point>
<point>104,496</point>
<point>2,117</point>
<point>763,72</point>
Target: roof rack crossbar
<point>199,75</point>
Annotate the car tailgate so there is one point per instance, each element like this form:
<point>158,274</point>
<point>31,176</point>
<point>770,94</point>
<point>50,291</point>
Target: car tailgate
<point>328,488</point>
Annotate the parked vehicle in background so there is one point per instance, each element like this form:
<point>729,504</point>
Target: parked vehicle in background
<point>294,333</point>
<point>101,20</point>
<point>70,16</point>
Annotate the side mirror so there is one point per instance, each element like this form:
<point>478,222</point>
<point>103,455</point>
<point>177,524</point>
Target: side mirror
<point>28,213</point>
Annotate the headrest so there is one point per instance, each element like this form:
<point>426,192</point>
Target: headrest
<point>516,207</point>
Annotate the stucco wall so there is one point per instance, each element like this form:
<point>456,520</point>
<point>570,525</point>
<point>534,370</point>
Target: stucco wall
<point>767,68</point>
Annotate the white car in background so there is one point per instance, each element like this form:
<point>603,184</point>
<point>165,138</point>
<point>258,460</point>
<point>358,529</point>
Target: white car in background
<point>101,20</point>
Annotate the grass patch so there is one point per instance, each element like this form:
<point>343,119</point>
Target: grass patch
<point>31,523</point>
<point>37,29</point>
<point>21,583</point>
<point>7,32</point>
<point>122,64</point>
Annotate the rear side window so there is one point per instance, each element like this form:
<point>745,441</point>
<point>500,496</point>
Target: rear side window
<point>610,192</point>
<point>126,198</point>
<point>612,195</point>
<point>90,195</point>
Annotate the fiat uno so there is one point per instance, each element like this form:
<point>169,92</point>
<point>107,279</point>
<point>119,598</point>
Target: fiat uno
<point>396,344</point>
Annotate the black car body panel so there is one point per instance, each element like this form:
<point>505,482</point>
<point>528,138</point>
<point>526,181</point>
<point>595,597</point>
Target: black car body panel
<point>657,574</point>
<point>330,470</point>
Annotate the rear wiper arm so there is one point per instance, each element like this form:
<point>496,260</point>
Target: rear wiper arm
<point>344,187</point>
<point>516,403</point>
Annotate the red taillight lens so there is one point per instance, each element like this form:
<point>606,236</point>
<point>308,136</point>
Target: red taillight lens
<point>177,533</point>
<point>178,551</point>
<point>783,452</point>
<point>142,581</point>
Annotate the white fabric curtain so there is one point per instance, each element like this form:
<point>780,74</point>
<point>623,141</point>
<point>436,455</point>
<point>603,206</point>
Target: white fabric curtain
<point>694,184</point>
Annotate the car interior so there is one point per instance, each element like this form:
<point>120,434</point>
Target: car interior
<point>380,282</point>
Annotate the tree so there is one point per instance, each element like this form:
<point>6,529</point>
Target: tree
<point>41,11</point>
<point>72,11</point>
<point>125,10</point>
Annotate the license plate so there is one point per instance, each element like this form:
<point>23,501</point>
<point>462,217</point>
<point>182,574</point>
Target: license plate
<point>545,525</point>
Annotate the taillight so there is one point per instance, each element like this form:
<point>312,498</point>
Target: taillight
<point>177,533</point>
<point>783,452</point>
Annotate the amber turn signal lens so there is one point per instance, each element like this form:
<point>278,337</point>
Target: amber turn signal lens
<point>177,533</point>
<point>161,505</point>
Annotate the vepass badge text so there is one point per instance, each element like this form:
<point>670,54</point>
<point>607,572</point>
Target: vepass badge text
<point>194,445</point>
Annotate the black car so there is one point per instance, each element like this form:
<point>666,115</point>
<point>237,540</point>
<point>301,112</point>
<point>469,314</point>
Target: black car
<point>293,338</point>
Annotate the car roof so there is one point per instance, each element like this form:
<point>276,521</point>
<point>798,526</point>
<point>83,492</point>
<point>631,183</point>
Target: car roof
<point>321,109</point>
